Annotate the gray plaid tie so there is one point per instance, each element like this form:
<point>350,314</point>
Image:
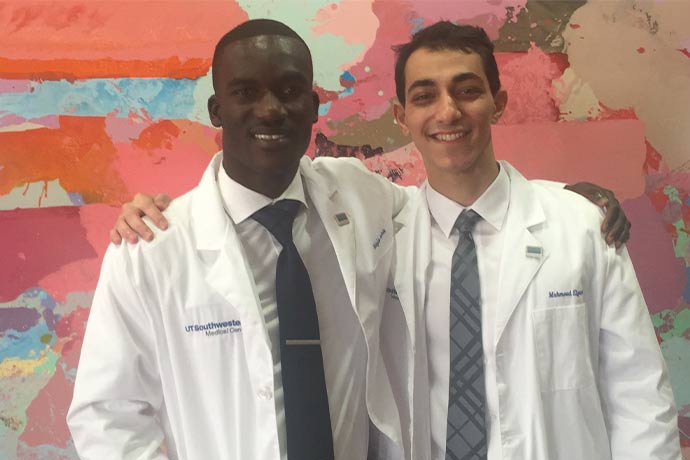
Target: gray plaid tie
<point>466,436</point>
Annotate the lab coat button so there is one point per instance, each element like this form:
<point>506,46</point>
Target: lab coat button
<point>264,394</point>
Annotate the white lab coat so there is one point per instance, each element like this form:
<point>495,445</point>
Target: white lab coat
<point>579,371</point>
<point>148,369</point>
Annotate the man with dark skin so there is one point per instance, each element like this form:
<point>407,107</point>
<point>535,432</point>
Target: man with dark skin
<point>206,344</point>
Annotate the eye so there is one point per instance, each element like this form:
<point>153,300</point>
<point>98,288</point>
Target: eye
<point>422,98</point>
<point>244,92</point>
<point>470,92</point>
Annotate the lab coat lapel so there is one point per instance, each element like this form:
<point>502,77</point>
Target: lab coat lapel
<point>517,267</point>
<point>329,206</point>
<point>413,256</point>
<point>218,244</point>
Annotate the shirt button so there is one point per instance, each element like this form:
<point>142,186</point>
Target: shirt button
<point>264,394</point>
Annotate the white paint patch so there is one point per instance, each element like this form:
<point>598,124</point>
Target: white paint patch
<point>36,195</point>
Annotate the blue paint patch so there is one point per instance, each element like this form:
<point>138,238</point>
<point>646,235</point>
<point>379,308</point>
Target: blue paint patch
<point>158,98</point>
<point>76,198</point>
<point>348,91</point>
<point>324,108</point>
<point>23,345</point>
<point>416,24</point>
<point>348,76</point>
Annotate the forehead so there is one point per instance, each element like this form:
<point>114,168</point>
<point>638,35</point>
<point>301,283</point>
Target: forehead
<point>275,54</point>
<point>441,65</point>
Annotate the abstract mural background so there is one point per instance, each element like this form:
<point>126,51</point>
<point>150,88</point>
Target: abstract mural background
<point>101,99</point>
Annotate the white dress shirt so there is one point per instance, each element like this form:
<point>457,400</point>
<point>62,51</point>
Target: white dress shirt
<point>492,206</point>
<point>342,340</point>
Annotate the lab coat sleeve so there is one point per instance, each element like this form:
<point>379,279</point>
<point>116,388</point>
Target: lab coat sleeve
<point>117,392</point>
<point>636,393</point>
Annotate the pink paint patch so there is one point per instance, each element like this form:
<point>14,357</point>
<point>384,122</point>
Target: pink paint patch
<point>175,167</point>
<point>490,15</point>
<point>15,86</point>
<point>528,79</point>
<point>403,166</point>
<point>37,242</point>
<point>339,20</point>
<point>82,275</point>
<point>573,151</point>
<point>71,328</point>
<point>660,273</point>
<point>45,416</point>
<point>124,129</point>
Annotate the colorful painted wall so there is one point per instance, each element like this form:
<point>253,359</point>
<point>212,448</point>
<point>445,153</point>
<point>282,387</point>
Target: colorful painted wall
<point>101,99</point>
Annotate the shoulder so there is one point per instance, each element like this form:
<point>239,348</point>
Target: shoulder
<point>337,167</point>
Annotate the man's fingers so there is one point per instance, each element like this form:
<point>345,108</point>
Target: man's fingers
<point>611,219</point>
<point>115,237</point>
<point>625,236</point>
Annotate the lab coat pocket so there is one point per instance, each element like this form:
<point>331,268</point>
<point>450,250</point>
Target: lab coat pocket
<point>562,347</point>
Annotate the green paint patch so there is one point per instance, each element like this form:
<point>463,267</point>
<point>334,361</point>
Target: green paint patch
<point>46,338</point>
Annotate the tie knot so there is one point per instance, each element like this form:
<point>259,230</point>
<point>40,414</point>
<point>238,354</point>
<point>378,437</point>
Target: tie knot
<point>278,218</point>
<point>467,220</point>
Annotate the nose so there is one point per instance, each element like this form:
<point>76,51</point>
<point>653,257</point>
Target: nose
<point>270,109</point>
<point>449,110</point>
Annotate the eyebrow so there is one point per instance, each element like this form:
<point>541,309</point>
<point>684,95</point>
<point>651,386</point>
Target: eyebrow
<point>459,78</point>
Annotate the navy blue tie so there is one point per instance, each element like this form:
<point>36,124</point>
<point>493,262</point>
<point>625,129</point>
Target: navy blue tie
<point>307,417</point>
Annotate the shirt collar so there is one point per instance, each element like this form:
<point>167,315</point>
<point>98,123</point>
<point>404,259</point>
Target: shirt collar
<point>240,202</point>
<point>492,205</point>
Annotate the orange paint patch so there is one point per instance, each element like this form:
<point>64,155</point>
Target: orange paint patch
<point>158,135</point>
<point>73,69</point>
<point>118,30</point>
<point>79,153</point>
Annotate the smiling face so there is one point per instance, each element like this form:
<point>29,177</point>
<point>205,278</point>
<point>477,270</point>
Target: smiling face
<point>448,112</point>
<point>266,106</point>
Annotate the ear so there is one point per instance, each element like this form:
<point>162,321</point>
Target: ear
<point>213,109</point>
<point>500,102</point>
<point>316,101</point>
<point>399,114</point>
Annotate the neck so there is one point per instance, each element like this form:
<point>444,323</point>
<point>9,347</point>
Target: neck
<point>267,184</point>
<point>465,186</point>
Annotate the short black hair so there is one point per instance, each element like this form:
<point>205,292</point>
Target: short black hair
<point>445,35</point>
<point>254,28</point>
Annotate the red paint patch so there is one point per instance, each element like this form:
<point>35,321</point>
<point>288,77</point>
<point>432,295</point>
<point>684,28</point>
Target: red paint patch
<point>608,113</point>
<point>79,153</point>
<point>37,242</point>
<point>652,160</point>
<point>574,26</point>
<point>45,416</point>
<point>641,50</point>
<point>685,51</point>
<point>528,79</point>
